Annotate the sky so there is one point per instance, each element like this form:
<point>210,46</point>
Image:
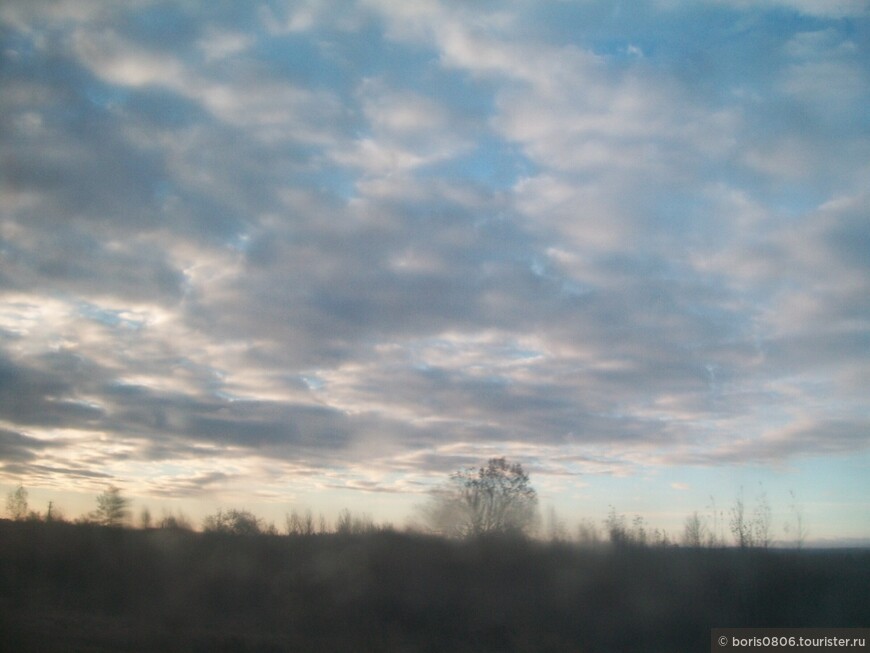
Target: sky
<point>274,255</point>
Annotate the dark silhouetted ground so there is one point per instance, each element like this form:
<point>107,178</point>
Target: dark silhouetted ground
<point>66,587</point>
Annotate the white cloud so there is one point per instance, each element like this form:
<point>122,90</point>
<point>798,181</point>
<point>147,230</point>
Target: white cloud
<point>119,61</point>
<point>405,130</point>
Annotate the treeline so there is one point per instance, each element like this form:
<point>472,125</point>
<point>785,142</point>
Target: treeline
<point>113,510</point>
<point>66,586</point>
<point>748,525</point>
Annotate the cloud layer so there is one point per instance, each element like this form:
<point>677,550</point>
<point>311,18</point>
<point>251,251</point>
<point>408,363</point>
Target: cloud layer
<point>362,247</point>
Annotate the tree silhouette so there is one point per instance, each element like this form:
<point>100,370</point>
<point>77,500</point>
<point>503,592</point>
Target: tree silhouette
<point>800,528</point>
<point>695,532</point>
<point>234,522</point>
<point>112,508</point>
<point>495,498</point>
<point>739,524</point>
<point>16,503</point>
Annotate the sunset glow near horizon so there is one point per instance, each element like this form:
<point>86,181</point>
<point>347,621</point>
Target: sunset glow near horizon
<point>321,254</point>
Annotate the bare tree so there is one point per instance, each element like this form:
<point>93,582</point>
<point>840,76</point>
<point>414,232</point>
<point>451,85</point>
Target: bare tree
<point>350,524</point>
<point>695,531</point>
<point>716,524</point>
<point>234,522</point>
<point>112,508</point>
<point>300,524</point>
<point>178,522</point>
<point>344,523</point>
<point>621,534</point>
<point>16,503</point>
<point>740,526</point>
<point>761,520</point>
<point>638,530</point>
<point>145,518</point>
<point>495,498</point>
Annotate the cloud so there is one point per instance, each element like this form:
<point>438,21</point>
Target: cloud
<point>803,438</point>
<point>406,131</point>
<point>257,243</point>
<point>17,448</point>
<point>43,394</point>
<point>241,95</point>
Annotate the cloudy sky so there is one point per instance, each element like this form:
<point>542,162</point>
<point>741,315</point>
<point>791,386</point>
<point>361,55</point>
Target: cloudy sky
<point>322,253</point>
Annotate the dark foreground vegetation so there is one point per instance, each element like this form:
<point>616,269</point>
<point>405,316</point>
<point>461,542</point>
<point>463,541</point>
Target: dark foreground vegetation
<point>84,587</point>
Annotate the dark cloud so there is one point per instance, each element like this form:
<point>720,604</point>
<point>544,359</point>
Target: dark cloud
<point>72,258</point>
<point>43,395</point>
<point>193,486</point>
<point>19,448</point>
<point>52,472</point>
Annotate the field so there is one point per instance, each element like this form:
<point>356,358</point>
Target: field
<point>78,587</point>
